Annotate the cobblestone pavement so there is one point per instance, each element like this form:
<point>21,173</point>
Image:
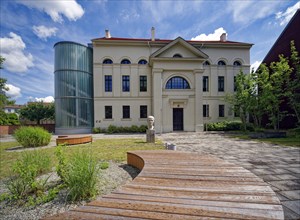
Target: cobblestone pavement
<point>278,166</point>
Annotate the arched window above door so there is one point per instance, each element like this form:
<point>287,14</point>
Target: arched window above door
<point>177,82</point>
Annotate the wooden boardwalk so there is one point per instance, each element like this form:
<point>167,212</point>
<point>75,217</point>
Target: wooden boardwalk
<point>179,185</point>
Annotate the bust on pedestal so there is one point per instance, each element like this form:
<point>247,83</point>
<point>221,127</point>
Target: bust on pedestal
<point>150,136</point>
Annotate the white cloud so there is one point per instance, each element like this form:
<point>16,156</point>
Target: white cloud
<point>245,12</point>
<point>56,9</point>
<point>285,17</point>
<point>255,65</point>
<point>13,91</point>
<point>214,36</point>
<point>12,49</point>
<point>44,32</point>
<point>47,99</point>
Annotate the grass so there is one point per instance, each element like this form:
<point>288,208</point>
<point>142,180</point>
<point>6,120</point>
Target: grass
<point>104,149</point>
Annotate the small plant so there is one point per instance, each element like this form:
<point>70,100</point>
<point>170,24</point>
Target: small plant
<point>62,166</point>
<point>32,136</point>
<point>104,165</point>
<point>81,176</point>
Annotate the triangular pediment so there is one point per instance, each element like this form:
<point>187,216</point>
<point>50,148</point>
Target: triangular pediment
<point>180,47</point>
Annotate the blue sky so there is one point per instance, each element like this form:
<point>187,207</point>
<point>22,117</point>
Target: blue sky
<point>30,28</point>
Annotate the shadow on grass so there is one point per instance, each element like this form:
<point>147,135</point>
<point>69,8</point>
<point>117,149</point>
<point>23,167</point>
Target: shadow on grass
<point>132,171</point>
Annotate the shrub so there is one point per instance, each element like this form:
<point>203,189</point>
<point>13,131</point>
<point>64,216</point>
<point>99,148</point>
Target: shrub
<point>62,165</point>
<point>26,169</point>
<point>32,136</point>
<point>133,129</point>
<point>224,126</point>
<point>8,118</point>
<point>81,176</point>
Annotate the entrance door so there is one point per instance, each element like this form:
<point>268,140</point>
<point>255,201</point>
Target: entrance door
<point>178,119</point>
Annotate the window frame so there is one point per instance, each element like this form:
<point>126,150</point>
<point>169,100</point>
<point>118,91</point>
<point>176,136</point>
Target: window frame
<point>143,83</point>
<point>126,111</point>
<point>108,83</point>
<point>221,111</point>
<point>205,112</point>
<point>143,111</point>
<point>205,82</point>
<point>142,62</point>
<point>107,59</point>
<point>237,63</point>
<point>221,63</point>
<point>125,61</point>
<point>125,83</point>
<point>221,84</point>
<point>108,112</point>
<point>174,83</point>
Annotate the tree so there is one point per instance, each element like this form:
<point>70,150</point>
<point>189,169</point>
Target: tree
<point>293,89</point>
<point>37,111</point>
<point>4,99</point>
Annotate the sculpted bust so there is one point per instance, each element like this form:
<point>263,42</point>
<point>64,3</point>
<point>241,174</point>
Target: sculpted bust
<point>150,121</point>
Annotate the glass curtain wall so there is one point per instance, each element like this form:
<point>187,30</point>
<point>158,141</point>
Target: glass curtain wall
<point>73,73</point>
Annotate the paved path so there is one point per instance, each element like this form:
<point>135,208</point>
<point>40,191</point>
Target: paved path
<point>183,185</point>
<point>276,165</point>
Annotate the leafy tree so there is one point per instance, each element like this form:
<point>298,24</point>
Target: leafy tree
<point>37,111</point>
<point>293,92</point>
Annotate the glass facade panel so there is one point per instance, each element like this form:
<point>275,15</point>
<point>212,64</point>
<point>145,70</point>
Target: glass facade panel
<point>73,73</point>
<point>177,83</point>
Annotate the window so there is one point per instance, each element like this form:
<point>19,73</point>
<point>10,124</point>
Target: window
<point>108,112</point>
<point>142,61</point>
<point>177,83</point>
<point>177,55</point>
<point>126,111</point>
<point>206,63</point>
<point>143,111</point>
<point>234,83</point>
<point>221,63</point>
<point>221,83</point>
<point>221,110</point>
<point>205,83</point>
<point>237,63</point>
<point>107,61</point>
<point>108,83</point>
<point>205,110</point>
<point>143,83</point>
<point>125,83</point>
<point>125,61</point>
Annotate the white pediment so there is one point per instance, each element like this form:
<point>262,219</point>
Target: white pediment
<point>181,47</point>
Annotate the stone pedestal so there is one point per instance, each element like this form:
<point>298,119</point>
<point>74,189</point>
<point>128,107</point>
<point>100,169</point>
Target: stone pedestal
<point>150,136</point>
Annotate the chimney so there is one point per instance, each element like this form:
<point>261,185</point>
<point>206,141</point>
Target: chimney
<point>107,34</point>
<point>223,37</point>
<point>152,34</point>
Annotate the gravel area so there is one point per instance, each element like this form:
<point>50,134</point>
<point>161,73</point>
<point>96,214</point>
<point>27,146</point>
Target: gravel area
<point>115,176</point>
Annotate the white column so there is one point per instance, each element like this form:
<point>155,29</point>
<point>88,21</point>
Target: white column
<point>198,100</point>
<point>157,99</point>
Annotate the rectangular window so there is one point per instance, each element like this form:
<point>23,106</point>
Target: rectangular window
<point>108,112</point>
<point>125,83</point>
<point>143,83</point>
<point>126,111</point>
<point>108,83</point>
<point>205,110</point>
<point>143,111</point>
<point>221,83</point>
<point>205,83</point>
<point>234,83</point>
<point>221,110</point>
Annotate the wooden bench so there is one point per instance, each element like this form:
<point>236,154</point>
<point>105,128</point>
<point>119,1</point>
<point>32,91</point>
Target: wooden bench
<point>179,185</point>
<point>73,139</point>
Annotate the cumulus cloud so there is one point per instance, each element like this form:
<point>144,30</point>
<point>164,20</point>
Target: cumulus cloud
<point>12,49</point>
<point>13,91</point>
<point>245,12</point>
<point>285,17</point>
<point>44,32</point>
<point>255,65</point>
<point>214,36</point>
<point>47,99</point>
<point>57,9</point>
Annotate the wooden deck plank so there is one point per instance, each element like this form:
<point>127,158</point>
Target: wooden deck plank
<point>180,185</point>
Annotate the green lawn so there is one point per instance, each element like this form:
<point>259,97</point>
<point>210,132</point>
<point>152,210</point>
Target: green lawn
<point>104,149</point>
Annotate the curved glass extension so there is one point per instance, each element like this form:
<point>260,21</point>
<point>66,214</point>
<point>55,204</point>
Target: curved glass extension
<point>73,74</point>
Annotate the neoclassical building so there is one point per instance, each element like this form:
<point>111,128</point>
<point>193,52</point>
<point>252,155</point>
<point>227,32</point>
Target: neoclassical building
<point>181,83</point>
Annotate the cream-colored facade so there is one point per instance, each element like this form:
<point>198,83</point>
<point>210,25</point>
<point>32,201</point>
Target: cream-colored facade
<point>174,93</point>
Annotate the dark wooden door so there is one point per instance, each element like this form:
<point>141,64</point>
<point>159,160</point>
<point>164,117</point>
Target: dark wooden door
<point>178,119</point>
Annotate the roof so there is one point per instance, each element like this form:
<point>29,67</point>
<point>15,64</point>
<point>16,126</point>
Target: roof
<point>282,44</point>
<point>167,40</point>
